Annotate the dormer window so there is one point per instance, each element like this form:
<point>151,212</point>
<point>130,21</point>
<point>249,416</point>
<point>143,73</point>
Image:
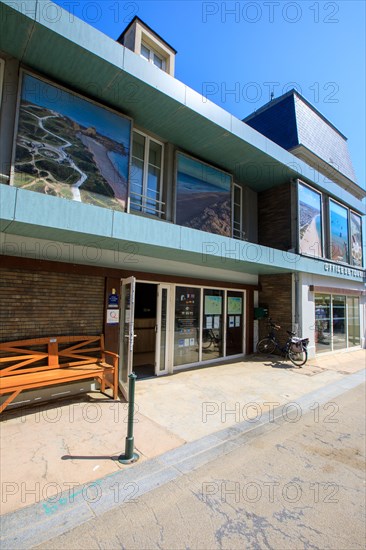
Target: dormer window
<point>145,42</point>
<point>152,56</point>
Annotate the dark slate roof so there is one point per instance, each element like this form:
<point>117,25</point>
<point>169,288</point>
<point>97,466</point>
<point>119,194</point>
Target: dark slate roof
<point>291,121</point>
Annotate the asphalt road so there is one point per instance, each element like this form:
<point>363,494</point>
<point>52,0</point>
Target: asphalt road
<point>299,485</point>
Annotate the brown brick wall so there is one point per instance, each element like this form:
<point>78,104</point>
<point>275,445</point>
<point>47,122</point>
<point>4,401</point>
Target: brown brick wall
<point>276,294</point>
<point>40,303</point>
<point>274,217</point>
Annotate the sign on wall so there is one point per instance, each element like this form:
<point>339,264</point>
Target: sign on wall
<point>70,147</point>
<point>203,196</point>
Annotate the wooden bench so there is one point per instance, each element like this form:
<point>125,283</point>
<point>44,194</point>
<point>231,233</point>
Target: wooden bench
<point>40,362</point>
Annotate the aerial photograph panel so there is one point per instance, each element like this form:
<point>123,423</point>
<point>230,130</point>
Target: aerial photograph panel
<point>70,147</point>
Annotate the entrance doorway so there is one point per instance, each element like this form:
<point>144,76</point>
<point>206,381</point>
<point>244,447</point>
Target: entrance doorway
<point>144,351</point>
<point>144,322</point>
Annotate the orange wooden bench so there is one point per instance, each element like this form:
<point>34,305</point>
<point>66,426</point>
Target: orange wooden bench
<point>39,362</point>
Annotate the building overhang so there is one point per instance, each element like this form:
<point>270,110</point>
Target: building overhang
<point>53,42</point>
<point>29,215</point>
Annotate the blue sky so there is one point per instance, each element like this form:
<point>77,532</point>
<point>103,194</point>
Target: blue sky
<point>236,53</point>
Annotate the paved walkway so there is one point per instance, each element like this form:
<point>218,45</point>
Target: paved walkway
<point>64,445</point>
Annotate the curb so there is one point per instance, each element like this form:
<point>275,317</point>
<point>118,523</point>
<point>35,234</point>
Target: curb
<point>50,518</point>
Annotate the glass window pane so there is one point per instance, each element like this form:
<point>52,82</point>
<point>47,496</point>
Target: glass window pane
<point>310,221</point>
<point>186,335</point>
<point>339,322</point>
<point>212,330</point>
<point>158,61</point>
<point>137,169</point>
<point>145,52</point>
<point>234,323</point>
<point>155,154</point>
<point>353,321</point>
<point>138,146</point>
<point>338,232</point>
<point>322,323</point>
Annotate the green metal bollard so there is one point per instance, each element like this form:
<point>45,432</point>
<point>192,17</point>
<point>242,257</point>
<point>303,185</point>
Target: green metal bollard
<point>129,455</point>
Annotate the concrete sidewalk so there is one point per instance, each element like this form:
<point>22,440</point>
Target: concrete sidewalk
<point>49,450</point>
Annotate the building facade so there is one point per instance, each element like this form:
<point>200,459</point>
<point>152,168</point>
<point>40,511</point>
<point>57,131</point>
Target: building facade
<point>132,206</point>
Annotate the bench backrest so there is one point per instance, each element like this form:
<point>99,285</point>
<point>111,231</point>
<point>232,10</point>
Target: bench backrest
<point>55,352</point>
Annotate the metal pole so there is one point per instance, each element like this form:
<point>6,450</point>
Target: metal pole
<point>129,456</point>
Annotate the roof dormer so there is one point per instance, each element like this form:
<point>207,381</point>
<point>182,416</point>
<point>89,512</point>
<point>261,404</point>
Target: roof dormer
<point>143,41</point>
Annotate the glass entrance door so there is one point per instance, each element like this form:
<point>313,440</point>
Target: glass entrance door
<point>127,335</point>
<point>162,330</point>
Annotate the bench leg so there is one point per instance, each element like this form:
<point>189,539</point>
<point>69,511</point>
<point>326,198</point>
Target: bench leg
<point>9,400</point>
<point>115,383</point>
<point>102,384</point>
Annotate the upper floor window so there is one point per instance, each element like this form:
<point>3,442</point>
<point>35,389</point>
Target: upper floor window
<point>238,232</point>
<point>152,56</point>
<point>146,175</point>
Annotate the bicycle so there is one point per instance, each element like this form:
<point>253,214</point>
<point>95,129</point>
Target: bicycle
<point>209,338</point>
<point>295,348</point>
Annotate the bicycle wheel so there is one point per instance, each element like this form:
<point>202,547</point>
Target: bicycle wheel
<point>266,345</point>
<point>206,341</point>
<point>298,358</point>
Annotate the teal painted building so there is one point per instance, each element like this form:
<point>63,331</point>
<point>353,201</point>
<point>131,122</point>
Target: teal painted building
<point>118,180</point>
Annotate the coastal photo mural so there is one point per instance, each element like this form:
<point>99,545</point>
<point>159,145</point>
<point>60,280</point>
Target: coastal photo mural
<point>69,147</point>
<point>338,231</point>
<point>203,196</point>
<point>356,239</point>
<point>310,221</point>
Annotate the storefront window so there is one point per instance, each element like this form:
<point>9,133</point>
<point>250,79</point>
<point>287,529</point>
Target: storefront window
<point>337,322</point>
<point>322,323</point>
<point>212,330</point>
<point>353,328</point>
<point>234,323</point>
<point>187,315</point>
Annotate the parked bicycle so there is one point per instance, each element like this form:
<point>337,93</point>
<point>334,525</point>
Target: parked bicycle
<point>295,348</point>
<point>209,338</point>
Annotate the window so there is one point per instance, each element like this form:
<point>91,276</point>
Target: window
<point>238,232</point>
<point>146,175</point>
<point>337,322</point>
<point>339,233</point>
<point>153,57</point>
<point>310,221</point>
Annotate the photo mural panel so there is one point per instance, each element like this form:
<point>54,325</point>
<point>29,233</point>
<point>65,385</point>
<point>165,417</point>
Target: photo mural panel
<point>203,196</point>
<point>70,147</point>
<point>310,221</point>
<point>338,232</point>
<point>356,240</point>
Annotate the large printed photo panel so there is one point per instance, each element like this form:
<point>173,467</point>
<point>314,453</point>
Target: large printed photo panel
<point>203,196</point>
<point>69,147</point>
<point>310,221</point>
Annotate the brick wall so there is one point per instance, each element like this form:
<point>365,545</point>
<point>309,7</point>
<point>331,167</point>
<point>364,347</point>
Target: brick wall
<point>276,294</point>
<point>40,303</point>
<point>274,217</point>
